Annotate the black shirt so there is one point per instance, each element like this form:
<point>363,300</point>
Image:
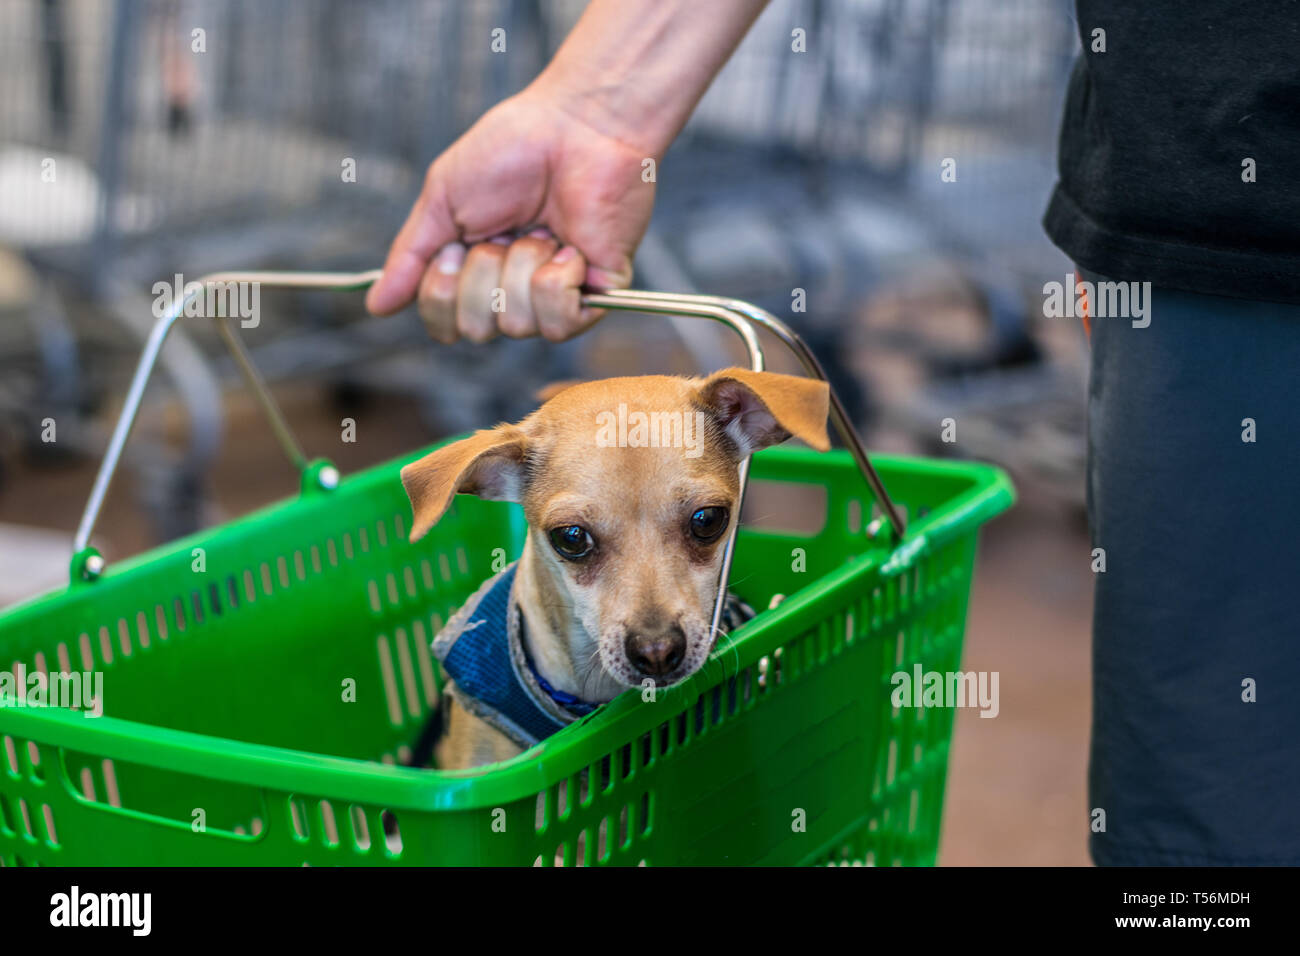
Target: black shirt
<point>1155,141</point>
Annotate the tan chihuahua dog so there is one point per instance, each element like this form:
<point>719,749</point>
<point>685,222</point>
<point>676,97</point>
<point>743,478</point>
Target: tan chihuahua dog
<point>629,487</point>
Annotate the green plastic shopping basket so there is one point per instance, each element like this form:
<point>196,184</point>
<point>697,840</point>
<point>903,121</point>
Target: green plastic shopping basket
<point>257,704</point>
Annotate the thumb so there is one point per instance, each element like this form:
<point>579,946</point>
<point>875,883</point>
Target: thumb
<point>427,229</point>
<point>605,279</point>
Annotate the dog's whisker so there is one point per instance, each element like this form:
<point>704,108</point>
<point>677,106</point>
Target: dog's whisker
<point>722,659</point>
<point>719,635</point>
<point>591,669</point>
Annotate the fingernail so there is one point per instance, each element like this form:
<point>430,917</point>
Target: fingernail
<point>500,240</point>
<point>603,279</point>
<point>565,254</point>
<point>451,258</point>
<point>540,233</point>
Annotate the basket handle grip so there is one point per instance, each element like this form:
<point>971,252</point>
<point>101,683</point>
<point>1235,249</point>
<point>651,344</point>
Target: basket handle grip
<point>88,564</point>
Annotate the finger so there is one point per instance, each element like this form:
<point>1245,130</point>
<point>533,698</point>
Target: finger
<point>556,295</point>
<point>437,296</point>
<point>427,229</point>
<point>524,257</point>
<point>479,292</point>
<point>606,279</point>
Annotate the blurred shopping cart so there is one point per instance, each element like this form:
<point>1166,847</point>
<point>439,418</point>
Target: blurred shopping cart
<point>145,139</point>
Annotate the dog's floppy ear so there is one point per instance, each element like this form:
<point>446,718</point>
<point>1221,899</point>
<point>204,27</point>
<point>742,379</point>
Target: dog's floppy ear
<point>489,464</point>
<point>758,409</point>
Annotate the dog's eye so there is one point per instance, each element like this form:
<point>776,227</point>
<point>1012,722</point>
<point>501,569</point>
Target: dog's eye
<point>572,541</point>
<point>708,523</point>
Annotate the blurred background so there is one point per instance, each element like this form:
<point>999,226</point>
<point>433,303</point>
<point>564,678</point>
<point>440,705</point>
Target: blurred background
<point>133,149</point>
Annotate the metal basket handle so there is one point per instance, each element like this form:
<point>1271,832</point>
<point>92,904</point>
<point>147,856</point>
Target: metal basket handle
<point>87,564</point>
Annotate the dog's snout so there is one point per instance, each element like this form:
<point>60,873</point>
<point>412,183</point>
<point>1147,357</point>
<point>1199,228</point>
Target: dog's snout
<point>657,654</point>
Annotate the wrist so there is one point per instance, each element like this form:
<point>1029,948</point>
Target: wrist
<point>613,105</point>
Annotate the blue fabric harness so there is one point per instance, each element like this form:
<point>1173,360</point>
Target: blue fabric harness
<point>484,666</point>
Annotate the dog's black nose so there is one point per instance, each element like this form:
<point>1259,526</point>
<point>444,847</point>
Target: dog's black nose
<point>658,654</point>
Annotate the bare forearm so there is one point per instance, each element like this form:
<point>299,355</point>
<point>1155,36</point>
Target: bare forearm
<point>635,69</point>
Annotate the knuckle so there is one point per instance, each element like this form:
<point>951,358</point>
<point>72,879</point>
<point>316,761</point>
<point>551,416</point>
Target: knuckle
<point>442,334</point>
<point>532,249</point>
<point>434,294</point>
<point>485,252</point>
<point>555,330</point>
<point>515,325</point>
<point>433,175</point>
<point>475,331</point>
<point>442,293</point>
<point>432,185</point>
<point>548,285</point>
<point>427,304</point>
<point>438,330</point>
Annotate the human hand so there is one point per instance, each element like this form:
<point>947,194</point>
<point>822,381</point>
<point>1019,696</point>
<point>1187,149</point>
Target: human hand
<point>531,204</point>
